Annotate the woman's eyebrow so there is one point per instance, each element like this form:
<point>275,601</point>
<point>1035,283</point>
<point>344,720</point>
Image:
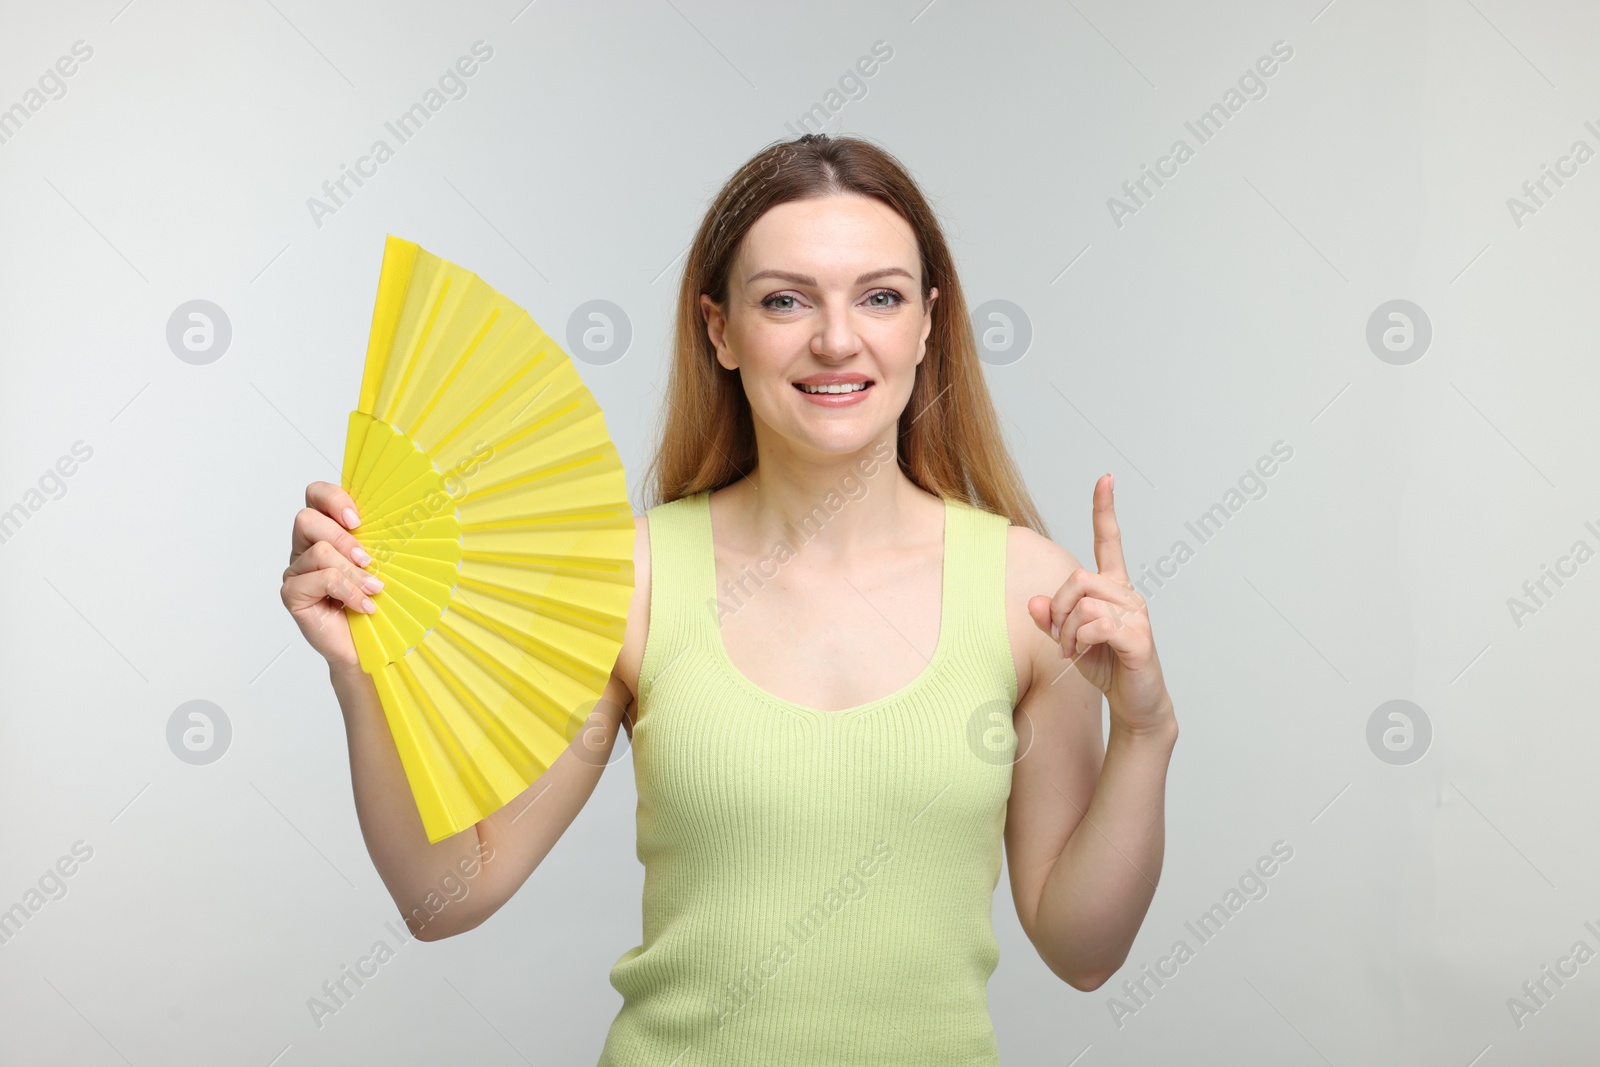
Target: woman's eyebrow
<point>806,279</point>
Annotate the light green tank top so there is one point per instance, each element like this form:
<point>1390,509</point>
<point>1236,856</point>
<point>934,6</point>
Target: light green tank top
<point>818,884</point>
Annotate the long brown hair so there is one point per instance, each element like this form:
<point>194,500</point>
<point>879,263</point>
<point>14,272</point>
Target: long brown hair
<point>949,441</point>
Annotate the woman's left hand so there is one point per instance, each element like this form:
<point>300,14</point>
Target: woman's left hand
<point>1102,624</point>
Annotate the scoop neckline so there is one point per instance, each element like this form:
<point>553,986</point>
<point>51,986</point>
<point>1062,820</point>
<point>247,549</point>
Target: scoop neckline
<point>929,669</point>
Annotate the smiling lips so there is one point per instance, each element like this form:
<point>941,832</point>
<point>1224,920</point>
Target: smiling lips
<point>834,390</point>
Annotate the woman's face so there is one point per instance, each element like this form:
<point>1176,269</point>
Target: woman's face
<point>824,289</point>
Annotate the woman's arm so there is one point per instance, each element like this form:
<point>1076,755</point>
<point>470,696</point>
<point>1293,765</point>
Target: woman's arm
<point>1085,832</point>
<point>1085,828</point>
<point>453,885</point>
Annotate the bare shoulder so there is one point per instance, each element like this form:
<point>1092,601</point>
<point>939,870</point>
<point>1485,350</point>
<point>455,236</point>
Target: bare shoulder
<point>624,686</point>
<point>1031,554</point>
<point>1035,566</point>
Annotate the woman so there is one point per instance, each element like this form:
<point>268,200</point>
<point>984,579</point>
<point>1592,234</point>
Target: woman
<point>853,664</point>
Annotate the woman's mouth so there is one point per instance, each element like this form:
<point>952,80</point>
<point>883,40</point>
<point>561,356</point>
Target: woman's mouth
<point>837,395</point>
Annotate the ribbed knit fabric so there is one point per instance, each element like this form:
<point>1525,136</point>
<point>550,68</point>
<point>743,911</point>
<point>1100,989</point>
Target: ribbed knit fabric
<point>818,884</point>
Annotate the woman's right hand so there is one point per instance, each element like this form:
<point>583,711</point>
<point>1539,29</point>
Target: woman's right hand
<point>326,573</point>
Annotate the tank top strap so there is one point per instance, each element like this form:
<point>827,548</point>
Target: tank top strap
<point>977,573</point>
<point>680,575</point>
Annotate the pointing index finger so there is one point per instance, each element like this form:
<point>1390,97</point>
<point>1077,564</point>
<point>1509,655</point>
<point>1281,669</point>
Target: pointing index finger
<point>1107,535</point>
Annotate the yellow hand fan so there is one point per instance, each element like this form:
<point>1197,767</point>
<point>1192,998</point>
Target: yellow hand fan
<point>495,508</point>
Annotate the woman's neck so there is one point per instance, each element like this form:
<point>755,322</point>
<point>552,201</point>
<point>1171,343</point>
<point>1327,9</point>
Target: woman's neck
<point>861,506</point>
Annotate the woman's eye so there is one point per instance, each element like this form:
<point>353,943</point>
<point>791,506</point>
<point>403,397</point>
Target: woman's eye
<point>883,298</point>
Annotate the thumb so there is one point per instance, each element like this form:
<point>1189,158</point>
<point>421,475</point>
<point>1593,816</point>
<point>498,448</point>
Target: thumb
<point>1039,608</point>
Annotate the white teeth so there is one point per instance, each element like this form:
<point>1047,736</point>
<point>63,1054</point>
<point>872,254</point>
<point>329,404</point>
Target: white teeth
<point>852,387</point>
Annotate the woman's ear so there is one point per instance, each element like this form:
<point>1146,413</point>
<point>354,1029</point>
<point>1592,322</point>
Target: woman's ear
<point>716,324</point>
<point>927,322</point>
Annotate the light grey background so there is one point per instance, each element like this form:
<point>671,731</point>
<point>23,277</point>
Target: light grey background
<point>1228,313</point>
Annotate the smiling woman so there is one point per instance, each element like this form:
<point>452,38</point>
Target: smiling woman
<point>820,321</point>
<point>844,198</point>
<point>881,688</point>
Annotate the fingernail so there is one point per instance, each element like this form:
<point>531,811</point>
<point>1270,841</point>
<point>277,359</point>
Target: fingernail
<point>351,519</point>
<point>367,605</point>
<point>372,583</point>
<point>359,554</point>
